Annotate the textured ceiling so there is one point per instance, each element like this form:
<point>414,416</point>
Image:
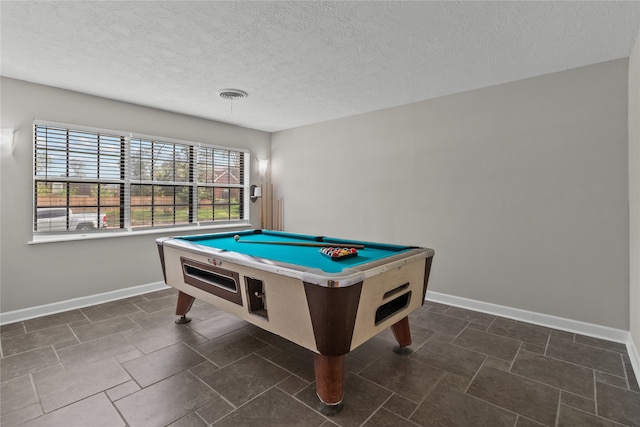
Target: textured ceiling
<point>301,62</point>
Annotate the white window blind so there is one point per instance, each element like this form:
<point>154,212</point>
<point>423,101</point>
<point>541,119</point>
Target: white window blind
<point>220,178</point>
<point>77,180</point>
<point>87,179</point>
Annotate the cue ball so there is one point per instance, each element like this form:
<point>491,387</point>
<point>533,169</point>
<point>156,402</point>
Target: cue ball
<point>236,237</point>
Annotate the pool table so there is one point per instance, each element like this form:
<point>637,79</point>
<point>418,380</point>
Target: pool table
<point>283,283</point>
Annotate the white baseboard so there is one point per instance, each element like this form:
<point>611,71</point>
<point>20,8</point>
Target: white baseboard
<point>547,320</point>
<point>634,356</point>
<point>75,303</point>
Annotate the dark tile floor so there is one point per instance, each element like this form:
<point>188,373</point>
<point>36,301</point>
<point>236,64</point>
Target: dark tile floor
<point>126,363</point>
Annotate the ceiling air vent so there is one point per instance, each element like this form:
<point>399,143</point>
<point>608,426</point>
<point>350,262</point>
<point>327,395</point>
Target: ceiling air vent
<point>232,94</point>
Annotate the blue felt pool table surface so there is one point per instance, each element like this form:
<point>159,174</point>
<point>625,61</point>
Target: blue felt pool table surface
<point>304,256</point>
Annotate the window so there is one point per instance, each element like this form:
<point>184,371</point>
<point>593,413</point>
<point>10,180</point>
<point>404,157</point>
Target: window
<point>161,183</point>
<point>101,181</point>
<point>219,172</point>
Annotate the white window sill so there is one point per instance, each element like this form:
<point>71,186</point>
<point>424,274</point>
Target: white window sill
<point>199,229</point>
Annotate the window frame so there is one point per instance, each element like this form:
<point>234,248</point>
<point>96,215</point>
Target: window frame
<point>126,183</point>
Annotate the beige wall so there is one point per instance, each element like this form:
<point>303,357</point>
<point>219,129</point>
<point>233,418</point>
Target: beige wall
<point>521,189</point>
<point>33,275</point>
<point>634,192</point>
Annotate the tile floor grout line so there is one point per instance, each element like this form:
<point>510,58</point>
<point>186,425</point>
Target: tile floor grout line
<point>85,316</point>
<point>595,393</point>
<point>189,346</point>
<point>284,369</point>
<point>136,381</point>
<point>57,357</point>
<point>119,385</point>
<point>73,333</point>
<point>371,415</point>
<point>597,347</point>
<point>115,407</point>
<point>558,408</point>
<point>626,375</point>
<point>546,346</point>
<point>380,408</point>
<point>476,373</point>
<point>511,411</point>
<point>600,348</point>
<point>510,373</point>
<point>285,379</point>
<point>297,399</point>
<point>579,365</point>
<point>385,401</point>
<point>37,395</point>
<point>79,400</point>
<point>495,335</point>
<point>133,320</point>
<point>220,396</point>
<point>560,390</point>
<point>461,331</point>
<point>426,396</point>
<point>468,320</point>
<point>492,322</point>
<point>200,416</point>
<point>611,375</point>
<point>595,398</point>
<point>599,417</point>
<point>366,365</point>
<point>513,361</point>
<point>384,387</point>
<point>424,343</point>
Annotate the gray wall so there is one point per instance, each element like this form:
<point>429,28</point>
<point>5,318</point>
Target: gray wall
<point>520,188</point>
<point>33,275</point>
<point>634,192</point>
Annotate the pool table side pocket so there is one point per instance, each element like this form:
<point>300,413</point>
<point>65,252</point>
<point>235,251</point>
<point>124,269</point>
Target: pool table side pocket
<point>214,280</point>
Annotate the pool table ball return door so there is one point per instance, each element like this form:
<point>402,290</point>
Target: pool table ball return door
<point>328,313</point>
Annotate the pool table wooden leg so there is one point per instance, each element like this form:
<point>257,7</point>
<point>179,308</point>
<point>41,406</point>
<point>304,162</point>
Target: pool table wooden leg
<point>402,332</point>
<point>329,372</point>
<point>185,302</point>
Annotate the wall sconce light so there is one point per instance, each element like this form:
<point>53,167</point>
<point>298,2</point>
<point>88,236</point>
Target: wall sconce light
<point>262,166</point>
<point>8,140</point>
<point>254,193</point>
